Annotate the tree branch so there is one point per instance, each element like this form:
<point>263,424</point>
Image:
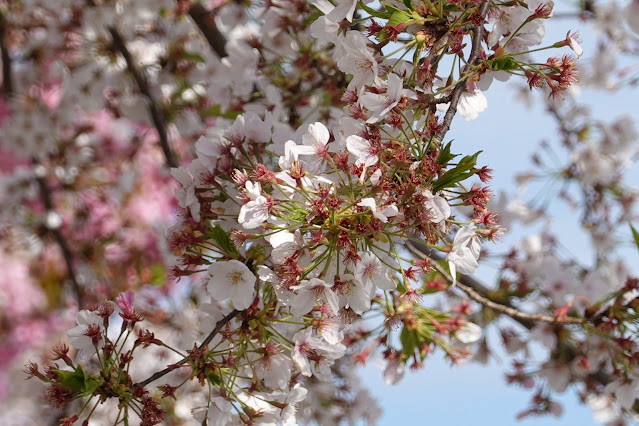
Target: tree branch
<point>479,294</point>
<point>45,197</point>
<point>156,114</point>
<point>7,80</point>
<point>218,326</point>
<point>205,22</point>
<point>478,32</point>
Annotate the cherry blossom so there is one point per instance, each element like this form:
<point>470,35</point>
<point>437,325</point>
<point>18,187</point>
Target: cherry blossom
<point>308,292</point>
<point>465,252</point>
<point>388,211</point>
<point>233,280</point>
<point>256,211</point>
<point>89,324</point>
<point>363,150</point>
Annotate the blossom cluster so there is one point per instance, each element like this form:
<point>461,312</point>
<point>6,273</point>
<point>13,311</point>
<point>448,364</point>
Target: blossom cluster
<point>307,142</point>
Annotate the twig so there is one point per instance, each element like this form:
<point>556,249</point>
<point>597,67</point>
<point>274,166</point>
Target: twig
<point>479,295</point>
<point>7,80</point>
<point>204,20</point>
<point>45,196</point>
<point>474,287</point>
<point>218,326</point>
<point>478,31</point>
<point>156,114</point>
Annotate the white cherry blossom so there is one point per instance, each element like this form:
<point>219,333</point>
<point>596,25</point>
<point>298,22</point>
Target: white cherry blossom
<point>388,211</point>
<point>379,105</point>
<point>469,333</point>
<point>233,280</point>
<point>371,272</point>
<point>357,59</point>
<point>186,194</point>
<point>324,353</point>
<point>465,252</point>
<point>437,206</point>
<point>77,335</point>
<point>362,150</point>
<point>352,293</point>
<point>471,104</point>
<point>256,211</point>
<point>309,292</point>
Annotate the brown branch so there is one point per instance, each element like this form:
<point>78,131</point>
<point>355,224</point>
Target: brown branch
<point>157,116</point>
<point>7,80</point>
<point>45,196</point>
<point>218,326</point>
<point>479,294</point>
<point>204,19</point>
<point>205,22</point>
<point>478,31</point>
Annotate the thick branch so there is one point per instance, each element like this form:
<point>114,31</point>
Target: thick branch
<point>45,196</point>
<point>478,32</point>
<point>7,80</point>
<point>205,22</point>
<point>218,326</point>
<point>156,114</point>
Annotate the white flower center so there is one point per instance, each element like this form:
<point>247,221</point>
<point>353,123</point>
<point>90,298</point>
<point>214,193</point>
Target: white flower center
<point>235,277</point>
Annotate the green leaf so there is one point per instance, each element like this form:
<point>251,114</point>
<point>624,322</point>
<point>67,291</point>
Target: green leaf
<point>194,57</point>
<point>401,287</point>
<point>375,13</point>
<point>297,215</point>
<point>457,174</point>
<point>503,63</point>
<point>444,155</point>
<point>78,381</point>
<point>72,380</point>
<point>216,111</point>
<point>408,4</point>
<point>223,241</point>
<point>635,235</point>
<point>158,274</point>
<point>214,379</point>
<point>399,17</point>
<point>409,340</point>
<point>91,384</point>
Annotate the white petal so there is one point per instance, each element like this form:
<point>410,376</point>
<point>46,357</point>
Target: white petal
<point>469,333</point>
<point>332,300</point>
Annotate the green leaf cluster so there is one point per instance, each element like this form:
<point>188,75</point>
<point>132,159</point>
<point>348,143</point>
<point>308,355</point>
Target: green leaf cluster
<point>461,171</point>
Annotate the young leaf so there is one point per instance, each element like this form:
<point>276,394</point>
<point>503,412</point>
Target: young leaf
<point>224,241</point>
<point>444,154</point>
<point>457,174</point>
<point>503,63</point>
<point>72,380</point>
<point>216,111</point>
<point>78,381</point>
<point>409,340</point>
<point>635,235</point>
<point>375,13</point>
<point>399,17</point>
